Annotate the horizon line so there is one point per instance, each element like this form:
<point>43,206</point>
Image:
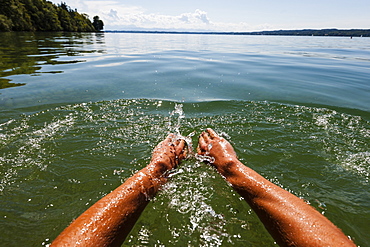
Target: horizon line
<point>298,32</point>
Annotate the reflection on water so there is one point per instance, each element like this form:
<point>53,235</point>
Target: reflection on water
<point>27,53</point>
<point>69,68</point>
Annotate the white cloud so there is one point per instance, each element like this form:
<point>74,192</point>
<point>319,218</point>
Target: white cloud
<point>120,19</point>
<point>123,19</point>
<point>201,15</point>
<point>259,15</point>
<point>118,16</point>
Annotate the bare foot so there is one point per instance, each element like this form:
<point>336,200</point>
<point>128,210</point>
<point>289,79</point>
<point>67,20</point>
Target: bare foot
<point>169,152</point>
<point>211,144</point>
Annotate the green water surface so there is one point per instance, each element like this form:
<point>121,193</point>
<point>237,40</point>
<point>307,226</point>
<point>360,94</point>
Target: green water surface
<point>84,112</point>
<point>58,162</point>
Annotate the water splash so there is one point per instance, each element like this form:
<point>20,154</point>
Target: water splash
<point>205,158</point>
<point>178,115</point>
<point>32,146</point>
<point>190,210</point>
<point>181,115</point>
<point>179,112</point>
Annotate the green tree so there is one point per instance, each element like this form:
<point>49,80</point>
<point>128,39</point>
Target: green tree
<point>17,13</point>
<point>65,20</point>
<point>42,15</point>
<point>6,24</point>
<point>51,20</point>
<point>98,24</point>
<point>83,23</point>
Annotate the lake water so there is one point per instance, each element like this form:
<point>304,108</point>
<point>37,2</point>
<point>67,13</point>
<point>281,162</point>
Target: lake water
<point>80,113</point>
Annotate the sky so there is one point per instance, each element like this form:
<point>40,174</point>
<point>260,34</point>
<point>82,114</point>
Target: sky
<point>226,16</point>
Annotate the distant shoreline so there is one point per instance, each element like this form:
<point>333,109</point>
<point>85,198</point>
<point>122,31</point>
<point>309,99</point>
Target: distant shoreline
<point>304,32</point>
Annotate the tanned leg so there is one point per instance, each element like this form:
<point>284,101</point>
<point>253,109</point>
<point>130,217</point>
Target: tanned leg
<point>110,220</point>
<point>290,220</point>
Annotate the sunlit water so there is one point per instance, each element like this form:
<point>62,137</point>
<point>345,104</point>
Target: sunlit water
<point>93,107</point>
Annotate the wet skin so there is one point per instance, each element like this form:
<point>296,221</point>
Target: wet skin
<point>109,221</point>
<point>289,220</point>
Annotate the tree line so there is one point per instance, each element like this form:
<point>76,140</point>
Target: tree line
<point>42,15</point>
<point>321,32</point>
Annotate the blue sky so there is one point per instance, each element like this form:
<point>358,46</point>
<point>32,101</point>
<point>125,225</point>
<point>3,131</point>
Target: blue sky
<point>231,15</point>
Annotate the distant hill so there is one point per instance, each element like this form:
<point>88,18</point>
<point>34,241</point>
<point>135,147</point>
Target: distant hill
<point>315,32</point>
<point>41,15</point>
